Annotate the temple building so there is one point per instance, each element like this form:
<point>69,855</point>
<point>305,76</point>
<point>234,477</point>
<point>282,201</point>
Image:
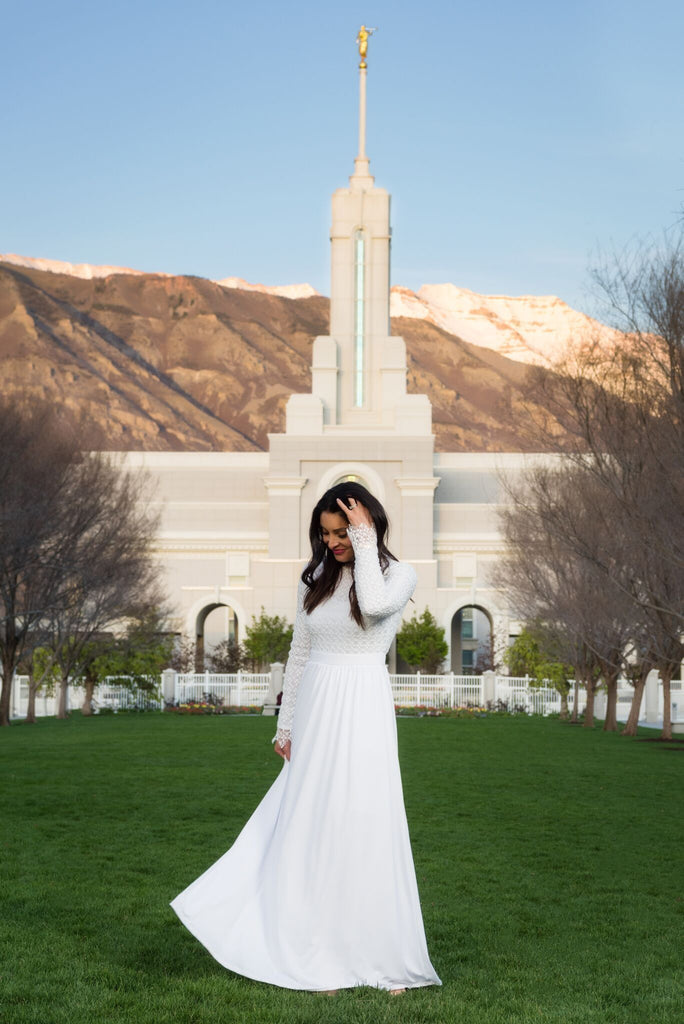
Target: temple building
<point>234,532</point>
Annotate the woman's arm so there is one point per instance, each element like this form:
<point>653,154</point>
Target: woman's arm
<point>296,660</point>
<point>378,593</point>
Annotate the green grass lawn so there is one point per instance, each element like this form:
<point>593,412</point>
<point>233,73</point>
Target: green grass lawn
<point>549,861</point>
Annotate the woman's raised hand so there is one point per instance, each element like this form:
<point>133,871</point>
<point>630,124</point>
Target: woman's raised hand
<point>355,512</point>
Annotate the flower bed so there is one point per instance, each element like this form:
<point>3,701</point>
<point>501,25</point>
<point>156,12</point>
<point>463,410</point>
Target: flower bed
<point>497,707</point>
<point>426,711</point>
<point>205,707</point>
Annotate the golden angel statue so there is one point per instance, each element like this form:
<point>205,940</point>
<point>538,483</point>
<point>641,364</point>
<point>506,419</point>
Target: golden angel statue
<point>362,39</point>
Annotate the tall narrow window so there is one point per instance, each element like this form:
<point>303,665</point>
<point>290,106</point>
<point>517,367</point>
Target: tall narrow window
<point>359,317</point>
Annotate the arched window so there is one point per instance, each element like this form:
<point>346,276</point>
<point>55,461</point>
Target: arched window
<point>351,478</point>
<point>360,472</point>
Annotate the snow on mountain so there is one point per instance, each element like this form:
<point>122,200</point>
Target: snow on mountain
<point>85,270</point>
<point>287,291</point>
<point>89,271</point>
<point>528,328</point>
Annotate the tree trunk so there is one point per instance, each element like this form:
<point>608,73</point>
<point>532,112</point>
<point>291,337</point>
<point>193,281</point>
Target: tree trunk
<point>199,655</point>
<point>666,676</point>
<point>31,706</point>
<point>589,709</point>
<point>633,718</point>
<point>610,724</point>
<point>62,706</point>
<point>5,697</point>
<point>564,704</point>
<point>87,706</point>
<point>6,693</point>
<point>575,703</point>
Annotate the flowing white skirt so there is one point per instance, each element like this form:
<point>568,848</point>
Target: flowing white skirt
<point>319,889</point>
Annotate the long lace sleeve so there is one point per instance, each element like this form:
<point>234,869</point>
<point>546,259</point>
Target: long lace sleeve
<point>296,660</point>
<point>379,594</point>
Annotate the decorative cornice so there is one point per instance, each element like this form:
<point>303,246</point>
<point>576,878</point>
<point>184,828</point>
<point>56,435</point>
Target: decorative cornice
<point>452,546</point>
<point>217,589</point>
<point>282,486</point>
<point>209,503</point>
<point>417,486</point>
<point>209,546</point>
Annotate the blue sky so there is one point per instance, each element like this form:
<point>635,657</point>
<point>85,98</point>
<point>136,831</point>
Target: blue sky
<point>206,138</point>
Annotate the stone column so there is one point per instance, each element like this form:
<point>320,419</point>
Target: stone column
<point>284,495</point>
<point>417,516</point>
<point>489,686</point>
<point>168,685</point>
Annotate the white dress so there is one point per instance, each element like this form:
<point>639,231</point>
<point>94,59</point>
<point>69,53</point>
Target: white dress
<point>319,889</point>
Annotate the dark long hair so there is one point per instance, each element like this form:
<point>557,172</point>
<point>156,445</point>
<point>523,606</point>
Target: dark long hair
<point>323,583</point>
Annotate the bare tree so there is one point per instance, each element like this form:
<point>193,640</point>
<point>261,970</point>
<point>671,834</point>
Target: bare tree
<point>110,575</point>
<point>75,538</point>
<point>184,655</point>
<point>491,654</point>
<point>34,469</point>
<point>622,398</point>
<point>555,529</point>
<point>659,634</point>
<point>228,656</point>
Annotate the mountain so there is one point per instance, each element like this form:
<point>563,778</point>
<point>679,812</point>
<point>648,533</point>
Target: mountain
<point>162,362</point>
<point>528,328</point>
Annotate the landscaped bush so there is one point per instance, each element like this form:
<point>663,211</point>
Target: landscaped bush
<point>502,707</point>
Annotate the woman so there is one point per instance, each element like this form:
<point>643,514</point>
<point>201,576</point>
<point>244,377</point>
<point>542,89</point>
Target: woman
<point>319,892</point>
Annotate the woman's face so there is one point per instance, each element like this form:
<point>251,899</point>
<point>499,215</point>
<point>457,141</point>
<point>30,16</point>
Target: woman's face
<point>334,533</point>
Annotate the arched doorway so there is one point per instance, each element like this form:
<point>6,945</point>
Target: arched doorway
<point>214,623</point>
<point>471,640</point>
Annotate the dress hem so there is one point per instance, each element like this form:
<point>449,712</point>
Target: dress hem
<point>299,988</point>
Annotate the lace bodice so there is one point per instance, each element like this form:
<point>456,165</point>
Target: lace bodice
<point>330,628</point>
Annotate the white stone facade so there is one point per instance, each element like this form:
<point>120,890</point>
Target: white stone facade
<point>234,526</point>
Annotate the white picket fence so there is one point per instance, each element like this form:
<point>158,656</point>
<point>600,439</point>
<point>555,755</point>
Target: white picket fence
<point>450,691</point>
<point>238,689</point>
<point>122,698</point>
<point>46,704</point>
<point>408,690</point>
<point>516,692</point>
<point>109,694</point>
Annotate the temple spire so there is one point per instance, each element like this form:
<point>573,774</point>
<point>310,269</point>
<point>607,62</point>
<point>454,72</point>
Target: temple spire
<point>362,177</point>
<point>358,378</point>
